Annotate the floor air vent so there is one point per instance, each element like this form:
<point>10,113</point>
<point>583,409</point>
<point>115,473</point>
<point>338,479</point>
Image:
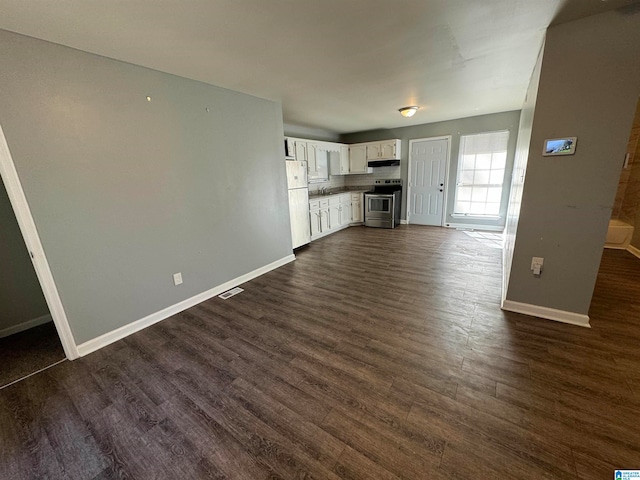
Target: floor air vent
<point>230,293</point>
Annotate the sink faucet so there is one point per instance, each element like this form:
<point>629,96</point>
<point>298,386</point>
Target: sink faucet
<point>323,190</point>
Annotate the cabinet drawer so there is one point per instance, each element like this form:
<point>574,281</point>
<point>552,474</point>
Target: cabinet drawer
<point>335,200</point>
<point>355,197</point>
<point>324,202</point>
<point>314,205</point>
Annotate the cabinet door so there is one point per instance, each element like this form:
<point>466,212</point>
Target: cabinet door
<point>387,149</point>
<point>324,219</point>
<point>356,212</point>
<point>345,213</point>
<point>301,151</point>
<point>344,159</point>
<point>334,217</point>
<point>290,148</point>
<point>373,151</point>
<point>358,159</point>
<point>312,156</point>
<point>314,219</point>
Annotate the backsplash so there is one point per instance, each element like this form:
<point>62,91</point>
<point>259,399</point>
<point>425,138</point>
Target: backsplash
<point>339,181</point>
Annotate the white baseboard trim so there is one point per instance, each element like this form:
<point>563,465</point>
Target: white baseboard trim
<point>404,222</point>
<point>126,330</point>
<point>633,250</point>
<point>21,327</point>
<point>547,313</point>
<point>481,228</point>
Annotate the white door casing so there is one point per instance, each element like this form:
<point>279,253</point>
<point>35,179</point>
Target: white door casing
<point>428,172</point>
<point>36,252</point>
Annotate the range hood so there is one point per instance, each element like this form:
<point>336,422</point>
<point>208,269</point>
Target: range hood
<point>383,163</point>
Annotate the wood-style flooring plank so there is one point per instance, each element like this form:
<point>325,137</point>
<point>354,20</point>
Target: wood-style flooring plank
<point>377,354</point>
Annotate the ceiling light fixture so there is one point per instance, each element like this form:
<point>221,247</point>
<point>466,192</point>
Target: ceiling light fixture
<point>408,111</point>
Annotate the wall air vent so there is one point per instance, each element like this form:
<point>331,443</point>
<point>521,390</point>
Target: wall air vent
<point>230,293</point>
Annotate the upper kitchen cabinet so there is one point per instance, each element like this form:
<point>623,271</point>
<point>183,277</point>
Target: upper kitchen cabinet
<point>317,163</point>
<point>358,159</point>
<point>289,148</point>
<point>307,152</point>
<point>339,160</point>
<point>384,150</point>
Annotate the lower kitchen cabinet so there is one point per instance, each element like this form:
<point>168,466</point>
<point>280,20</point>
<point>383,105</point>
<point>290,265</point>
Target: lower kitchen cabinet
<point>330,214</point>
<point>319,217</point>
<point>357,212</point>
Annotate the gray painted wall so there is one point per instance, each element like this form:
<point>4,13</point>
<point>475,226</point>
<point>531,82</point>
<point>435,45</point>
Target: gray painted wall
<point>519,170</point>
<point>589,84</point>
<point>21,297</point>
<point>126,192</point>
<point>455,128</point>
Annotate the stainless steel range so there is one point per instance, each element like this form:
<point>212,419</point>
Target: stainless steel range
<point>382,204</point>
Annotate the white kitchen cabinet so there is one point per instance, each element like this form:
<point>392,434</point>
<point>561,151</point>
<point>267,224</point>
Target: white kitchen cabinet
<point>312,159</point>
<point>289,148</point>
<point>329,214</point>
<point>373,151</point>
<point>345,209</point>
<point>308,152</point>
<point>301,151</point>
<point>357,213</point>
<point>350,160</point>
<point>340,161</point>
<point>384,150</point>
<point>314,221</point>
<point>358,159</point>
<point>345,165</point>
<point>319,217</point>
<point>334,217</point>
<point>390,149</point>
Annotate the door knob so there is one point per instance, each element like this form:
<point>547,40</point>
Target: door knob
<point>441,189</point>
<point>442,184</point>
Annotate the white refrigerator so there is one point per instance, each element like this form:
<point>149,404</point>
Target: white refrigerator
<point>298,202</point>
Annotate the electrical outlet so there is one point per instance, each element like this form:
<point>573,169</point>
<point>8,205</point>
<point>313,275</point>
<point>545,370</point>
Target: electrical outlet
<point>177,278</point>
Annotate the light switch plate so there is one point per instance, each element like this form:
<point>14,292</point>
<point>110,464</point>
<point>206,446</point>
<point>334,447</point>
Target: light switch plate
<point>536,261</point>
<point>177,278</point>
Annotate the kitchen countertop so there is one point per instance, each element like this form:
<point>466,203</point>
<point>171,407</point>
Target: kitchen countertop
<point>337,191</point>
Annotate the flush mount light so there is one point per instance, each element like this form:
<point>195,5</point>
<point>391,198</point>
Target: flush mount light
<point>408,111</point>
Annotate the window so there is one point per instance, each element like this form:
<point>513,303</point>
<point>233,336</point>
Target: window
<point>483,158</point>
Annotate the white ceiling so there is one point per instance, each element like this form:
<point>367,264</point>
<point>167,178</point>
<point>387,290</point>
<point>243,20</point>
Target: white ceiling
<point>337,65</point>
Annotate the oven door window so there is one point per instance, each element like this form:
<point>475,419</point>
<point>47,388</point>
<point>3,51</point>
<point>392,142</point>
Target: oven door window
<point>379,204</point>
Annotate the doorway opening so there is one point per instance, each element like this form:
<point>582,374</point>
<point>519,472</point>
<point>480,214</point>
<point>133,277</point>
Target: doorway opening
<point>19,211</point>
<point>617,289</point>
<point>624,225</point>
<point>29,341</point>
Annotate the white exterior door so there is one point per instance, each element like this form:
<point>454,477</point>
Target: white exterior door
<point>428,160</point>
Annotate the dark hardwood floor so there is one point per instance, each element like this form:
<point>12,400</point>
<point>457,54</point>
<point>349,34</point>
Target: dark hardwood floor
<point>29,351</point>
<point>378,354</point>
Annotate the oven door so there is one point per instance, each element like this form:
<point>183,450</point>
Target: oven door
<point>378,210</point>
<point>378,205</point>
